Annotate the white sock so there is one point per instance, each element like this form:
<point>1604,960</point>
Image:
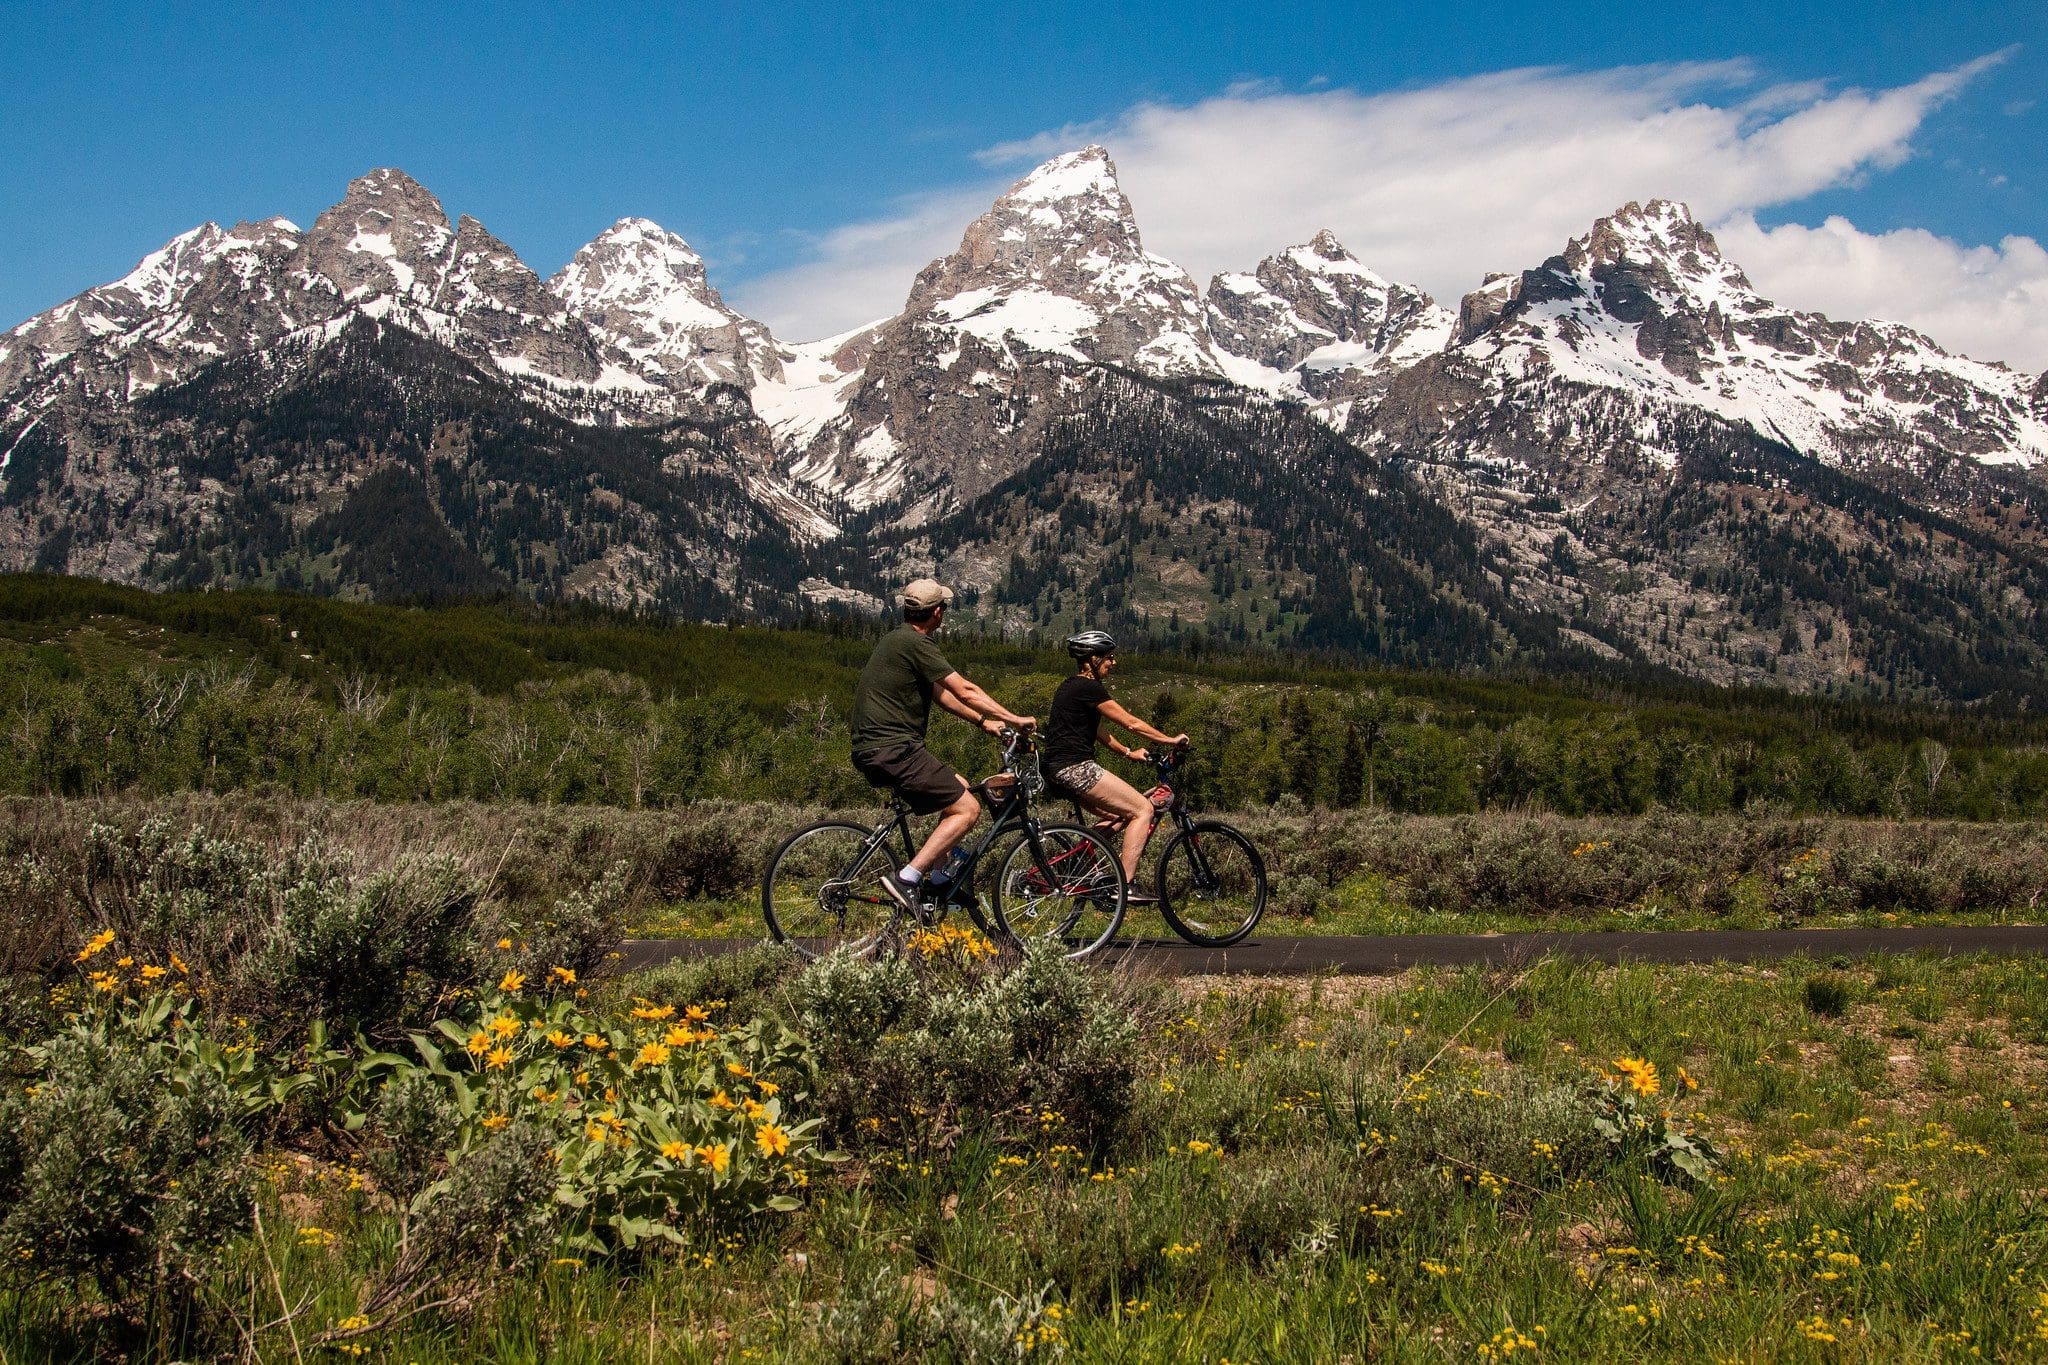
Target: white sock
<point>910,876</point>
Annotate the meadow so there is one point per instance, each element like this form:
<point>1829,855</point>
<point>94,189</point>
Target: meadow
<point>313,1046</point>
<point>963,1156</point>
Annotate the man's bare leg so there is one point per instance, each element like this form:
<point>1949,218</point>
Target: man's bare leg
<point>953,826</point>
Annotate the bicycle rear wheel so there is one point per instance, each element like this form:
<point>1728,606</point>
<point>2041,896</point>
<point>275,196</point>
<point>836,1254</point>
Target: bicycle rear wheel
<point>1212,884</point>
<point>1066,885</point>
<point>823,890</point>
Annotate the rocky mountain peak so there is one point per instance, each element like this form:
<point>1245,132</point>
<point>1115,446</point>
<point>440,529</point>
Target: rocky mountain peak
<point>634,258</point>
<point>1056,265</point>
<point>385,234</point>
<point>1662,233</point>
<point>1326,245</point>
<point>643,290</point>
<point>1316,309</point>
<point>1066,225</point>
<point>390,190</point>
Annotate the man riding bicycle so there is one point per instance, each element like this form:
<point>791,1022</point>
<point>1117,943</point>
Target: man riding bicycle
<point>1081,714</point>
<point>891,712</point>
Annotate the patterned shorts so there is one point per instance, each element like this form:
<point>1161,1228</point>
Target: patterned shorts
<point>1080,777</point>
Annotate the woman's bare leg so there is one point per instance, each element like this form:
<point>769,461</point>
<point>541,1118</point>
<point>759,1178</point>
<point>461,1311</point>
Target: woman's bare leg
<point>1114,796</point>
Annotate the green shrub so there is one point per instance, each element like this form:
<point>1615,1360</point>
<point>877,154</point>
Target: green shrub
<point>287,937</point>
<point>748,981</point>
<point>495,1214</point>
<point>910,1050</point>
<point>576,931</point>
<point>110,1173</point>
<point>125,1138</point>
<point>1827,995</point>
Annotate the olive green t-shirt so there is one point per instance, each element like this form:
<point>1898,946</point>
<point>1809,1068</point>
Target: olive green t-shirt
<point>893,703</point>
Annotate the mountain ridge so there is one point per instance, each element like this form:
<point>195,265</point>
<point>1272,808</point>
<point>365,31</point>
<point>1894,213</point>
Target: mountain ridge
<point>1588,459</point>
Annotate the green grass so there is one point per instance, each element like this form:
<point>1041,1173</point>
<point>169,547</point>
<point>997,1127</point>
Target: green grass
<point>1882,1124</point>
<point>1361,908</point>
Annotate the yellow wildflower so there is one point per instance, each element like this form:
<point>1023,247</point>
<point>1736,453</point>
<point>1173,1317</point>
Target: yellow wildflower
<point>771,1140</point>
<point>565,975</point>
<point>504,1026</point>
<point>559,1038</point>
<point>654,1054</point>
<point>511,982</point>
<point>647,1009</point>
<point>717,1158</point>
<point>497,1121</point>
<point>722,1101</point>
<point>677,1151</point>
<point>95,945</point>
<point>1639,1072</point>
<point>498,1058</point>
<point>479,1043</point>
<point>595,1043</point>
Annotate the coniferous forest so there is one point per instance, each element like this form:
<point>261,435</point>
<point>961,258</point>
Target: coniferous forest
<point>107,690</point>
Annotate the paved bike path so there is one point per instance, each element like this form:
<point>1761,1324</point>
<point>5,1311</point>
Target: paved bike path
<point>1374,955</point>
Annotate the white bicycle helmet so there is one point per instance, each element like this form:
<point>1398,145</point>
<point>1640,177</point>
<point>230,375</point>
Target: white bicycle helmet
<point>1091,643</point>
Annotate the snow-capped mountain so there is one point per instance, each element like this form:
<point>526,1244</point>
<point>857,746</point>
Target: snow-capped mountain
<point>643,292</point>
<point>1623,452</point>
<point>203,294</point>
<point>1330,329</point>
<point>943,400</point>
<point>1646,303</point>
<point>630,330</point>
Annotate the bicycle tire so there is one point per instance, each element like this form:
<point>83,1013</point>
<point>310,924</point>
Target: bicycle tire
<point>1065,884</point>
<point>822,891</point>
<point>1219,881</point>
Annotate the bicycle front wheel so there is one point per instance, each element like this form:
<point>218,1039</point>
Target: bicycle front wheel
<point>1065,885</point>
<point>823,890</point>
<point>1212,884</point>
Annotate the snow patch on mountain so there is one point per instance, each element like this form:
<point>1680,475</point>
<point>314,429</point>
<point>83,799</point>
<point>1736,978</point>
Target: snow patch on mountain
<point>1646,302</point>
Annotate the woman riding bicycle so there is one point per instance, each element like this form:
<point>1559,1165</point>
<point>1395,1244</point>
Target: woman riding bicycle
<point>1082,711</point>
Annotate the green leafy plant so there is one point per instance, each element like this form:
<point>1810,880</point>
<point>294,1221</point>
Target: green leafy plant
<point>1633,1119</point>
<point>658,1124</point>
<point>125,1147</point>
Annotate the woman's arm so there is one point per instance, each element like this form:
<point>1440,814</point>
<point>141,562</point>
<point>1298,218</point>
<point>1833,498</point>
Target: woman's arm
<point>1113,712</point>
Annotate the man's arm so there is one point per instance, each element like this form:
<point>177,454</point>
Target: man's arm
<point>967,701</point>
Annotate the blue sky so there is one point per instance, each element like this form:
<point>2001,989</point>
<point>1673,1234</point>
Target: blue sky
<point>816,154</point>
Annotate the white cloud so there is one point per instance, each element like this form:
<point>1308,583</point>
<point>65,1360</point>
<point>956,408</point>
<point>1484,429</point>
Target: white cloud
<point>1435,186</point>
<point>1989,302</point>
<point>862,271</point>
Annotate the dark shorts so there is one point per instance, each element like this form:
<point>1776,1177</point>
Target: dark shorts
<point>911,770</point>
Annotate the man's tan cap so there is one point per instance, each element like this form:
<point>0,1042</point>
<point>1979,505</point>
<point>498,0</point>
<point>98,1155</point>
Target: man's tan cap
<point>926,592</point>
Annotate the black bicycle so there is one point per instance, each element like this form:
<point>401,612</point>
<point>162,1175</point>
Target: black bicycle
<point>823,888</point>
<point>1210,878</point>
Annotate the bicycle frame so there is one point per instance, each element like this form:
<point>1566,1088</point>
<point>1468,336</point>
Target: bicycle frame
<point>1010,810</point>
<point>1175,810</point>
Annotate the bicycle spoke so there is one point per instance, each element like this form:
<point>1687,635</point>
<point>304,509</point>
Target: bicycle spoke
<point>823,891</point>
<point>1069,889</point>
<point>1212,885</point>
